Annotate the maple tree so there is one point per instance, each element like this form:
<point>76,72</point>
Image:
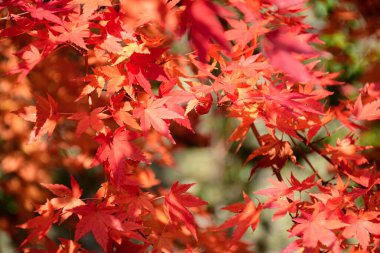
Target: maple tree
<point>110,86</point>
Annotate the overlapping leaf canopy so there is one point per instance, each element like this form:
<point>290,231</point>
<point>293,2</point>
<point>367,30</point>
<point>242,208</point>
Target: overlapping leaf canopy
<point>251,60</point>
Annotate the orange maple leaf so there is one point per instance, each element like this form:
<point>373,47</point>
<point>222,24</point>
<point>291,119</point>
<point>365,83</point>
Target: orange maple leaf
<point>92,119</point>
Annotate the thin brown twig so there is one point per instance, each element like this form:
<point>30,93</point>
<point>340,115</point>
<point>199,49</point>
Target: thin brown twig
<point>305,158</point>
<point>315,149</point>
<point>257,135</point>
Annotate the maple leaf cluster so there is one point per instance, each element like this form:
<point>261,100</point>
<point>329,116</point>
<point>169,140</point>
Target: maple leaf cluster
<point>252,60</point>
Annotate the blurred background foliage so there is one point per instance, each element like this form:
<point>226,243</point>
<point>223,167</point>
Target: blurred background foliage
<point>350,30</point>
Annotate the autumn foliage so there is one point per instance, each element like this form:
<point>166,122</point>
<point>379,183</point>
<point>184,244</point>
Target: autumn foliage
<point>106,83</point>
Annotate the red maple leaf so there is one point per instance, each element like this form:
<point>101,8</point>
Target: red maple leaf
<point>275,152</point>
<point>155,115</point>
<point>201,18</point>
<point>115,148</point>
<point>40,225</point>
<point>99,220</point>
<point>280,48</point>
<point>47,117</point>
<point>162,242</point>
<point>30,56</point>
<point>143,68</point>
<point>248,215</point>
<point>176,203</point>
<point>294,102</point>
<point>73,31</point>
<point>92,120</point>
<point>279,189</point>
<point>129,231</point>
<point>347,151</point>
<point>307,183</point>
<point>366,177</point>
<point>242,33</point>
<point>111,44</point>
<point>114,77</point>
<point>119,109</point>
<point>44,11</point>
<point>139,205</point>
<point>281,198</point>
<point>67,198</point>
<point>95,82</point>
